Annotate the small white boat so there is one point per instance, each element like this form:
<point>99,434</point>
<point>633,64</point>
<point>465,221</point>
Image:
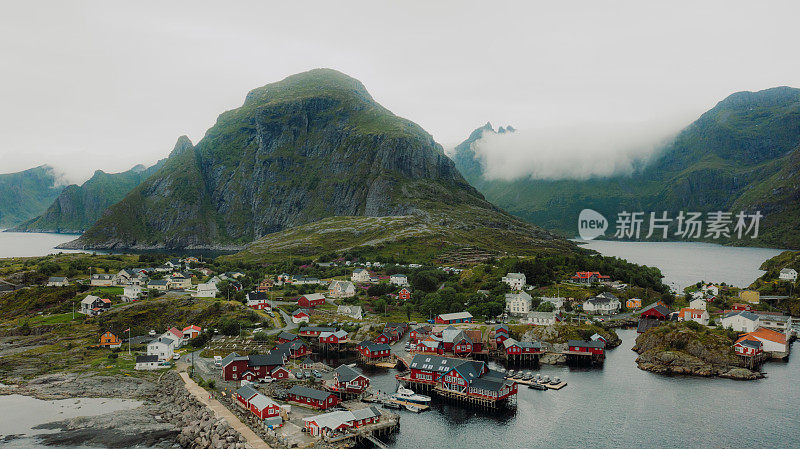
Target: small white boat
<point>404,394</point>
<point>555,381</point>
<point>545,380</point>
<point>413,408</point>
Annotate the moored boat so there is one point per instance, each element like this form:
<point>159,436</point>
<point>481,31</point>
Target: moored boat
<point>404,394</point>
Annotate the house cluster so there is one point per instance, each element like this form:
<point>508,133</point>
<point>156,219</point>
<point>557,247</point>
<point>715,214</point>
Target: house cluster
<point>271,365</point>
<point>325,335</point>
<point>448,340</point>
<point>162,348</point>
<point>392,332</point>
<point>459,378</point>
<point>770,329</point>
<point>262,407</point>
<point>289,279</point>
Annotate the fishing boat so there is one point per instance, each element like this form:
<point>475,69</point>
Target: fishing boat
<point>511,373</point>
<point>404,394</point>
<point>537,386</point>
<point>545,379</point>
<point>390,404</point>
<point>528,376</point>
<point>555,381</point>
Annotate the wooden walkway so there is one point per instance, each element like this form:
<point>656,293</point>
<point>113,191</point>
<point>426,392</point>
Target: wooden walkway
<point>220,410</point>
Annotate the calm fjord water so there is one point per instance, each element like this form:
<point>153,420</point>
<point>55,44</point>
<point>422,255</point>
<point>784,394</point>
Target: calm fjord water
<point>32,244</point>
<point>620,406</point>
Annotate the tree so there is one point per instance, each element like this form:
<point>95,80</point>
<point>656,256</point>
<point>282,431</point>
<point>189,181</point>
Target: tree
<point>545,306</point>
<point>408,308</point>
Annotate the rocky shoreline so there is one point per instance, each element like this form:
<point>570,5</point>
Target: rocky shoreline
<point>169,418</point>
<point>671,362</point>
<point>690,349</point>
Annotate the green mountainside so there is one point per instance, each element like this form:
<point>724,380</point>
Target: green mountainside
<point>740,155</point>
<point>312,146</point>
<point>26,194</point>
<point>79,206</point>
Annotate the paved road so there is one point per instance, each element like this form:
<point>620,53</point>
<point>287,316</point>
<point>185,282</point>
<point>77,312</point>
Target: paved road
<point>221,411</point>
<point>288,324</point>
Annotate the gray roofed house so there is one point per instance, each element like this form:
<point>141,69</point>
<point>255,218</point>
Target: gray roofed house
<point>309,392</point>
<point>246,392</point>
<point>586,344</point>
<point>345,373</point>
<point>366,413</point>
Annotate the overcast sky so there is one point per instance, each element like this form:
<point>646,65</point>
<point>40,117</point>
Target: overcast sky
<point>105,85</point>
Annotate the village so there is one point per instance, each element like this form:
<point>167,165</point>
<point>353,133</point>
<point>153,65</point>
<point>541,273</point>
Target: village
<point>295,373</point>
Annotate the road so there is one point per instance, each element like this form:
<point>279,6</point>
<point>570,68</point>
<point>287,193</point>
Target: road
<point>221,411</point>
<point>288,324</point>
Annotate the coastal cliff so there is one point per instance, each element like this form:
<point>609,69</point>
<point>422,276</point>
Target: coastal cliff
<point>690,349</point>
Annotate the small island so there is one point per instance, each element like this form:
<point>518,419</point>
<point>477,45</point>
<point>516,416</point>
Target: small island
<point>691,349</point>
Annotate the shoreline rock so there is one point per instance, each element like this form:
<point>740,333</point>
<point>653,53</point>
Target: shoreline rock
<point>170,416</point>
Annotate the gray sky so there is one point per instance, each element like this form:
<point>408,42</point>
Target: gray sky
<point>105,85</point>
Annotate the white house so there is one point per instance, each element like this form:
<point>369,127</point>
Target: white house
<point>56,281</point>
<point>697,315</point>
<point>400,280</point>
<point>541,318</point>
<point>341,289</point>
<point>711,290</point>
<point>788,274</point>
<point>207,290</point>
<point>603,304</point>
<point>101,280</point>
<point>131,292</point>
<point>179,282</point>
<point>556,301</point>
<point>147,363</point>
<point>741,321</point>
<point>93,305</point>
<point>163,347</point>
<point>698,303</point>
<point>518,303</point>
<point>780,323</point>
<point>515,280</point>
<point>360,275</point>
<point>351,311</point>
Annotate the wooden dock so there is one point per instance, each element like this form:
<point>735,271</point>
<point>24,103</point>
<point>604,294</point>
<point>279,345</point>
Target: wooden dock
<point>557,386</point>
<point>404,403</point>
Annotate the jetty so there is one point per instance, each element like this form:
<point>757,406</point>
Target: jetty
<point>557,386</point>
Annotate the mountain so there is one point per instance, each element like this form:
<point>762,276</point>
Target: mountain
<point>740,155</point>
<point>310,147</point>
<point>26,194</point>
<point>78,207</point>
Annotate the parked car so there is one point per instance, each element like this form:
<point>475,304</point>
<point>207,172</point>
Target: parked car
<point>217,361</point>
<point>176,356</point>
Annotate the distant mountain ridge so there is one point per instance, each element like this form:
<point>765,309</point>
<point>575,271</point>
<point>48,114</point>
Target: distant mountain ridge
<point>27,194</point>
<point>740,155</point>
<point>310,147</point>
<point>79,207</point>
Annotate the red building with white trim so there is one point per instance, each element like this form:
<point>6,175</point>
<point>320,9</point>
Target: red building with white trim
<point>313,398</point>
